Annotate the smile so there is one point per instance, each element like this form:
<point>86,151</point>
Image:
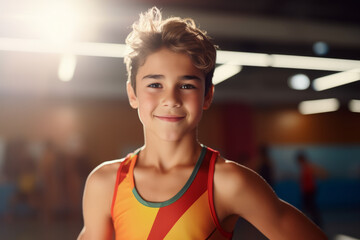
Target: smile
<point>170,118</point>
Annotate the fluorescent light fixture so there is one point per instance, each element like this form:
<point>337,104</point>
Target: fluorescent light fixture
<point>77,48</point>
<point>337,79</point>
<point>354,106</point>
<point>319,106</point>
<point>67,67</point>
<point>344,237</point>
<point>313,63</point>
<point>100,49</point>
<point>224,72</point>
<point>243,58</point>
<point>299,82</point>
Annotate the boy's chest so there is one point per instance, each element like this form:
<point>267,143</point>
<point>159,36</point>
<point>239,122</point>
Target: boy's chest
<point>159,187</point>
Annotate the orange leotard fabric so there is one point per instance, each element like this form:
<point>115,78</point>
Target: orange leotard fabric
<point>190,214</point>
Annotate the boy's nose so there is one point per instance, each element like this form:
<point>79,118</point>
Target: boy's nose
<point>172,99</point>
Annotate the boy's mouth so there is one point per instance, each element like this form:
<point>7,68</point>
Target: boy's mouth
<point>170,118</point>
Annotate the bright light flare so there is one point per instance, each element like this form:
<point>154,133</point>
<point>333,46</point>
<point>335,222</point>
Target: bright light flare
<point>224,72</point>
<point>59,21</point>
<point>319,106</point>
<point>52,21</point>
<point>354,106</point>
<point>337,79</point>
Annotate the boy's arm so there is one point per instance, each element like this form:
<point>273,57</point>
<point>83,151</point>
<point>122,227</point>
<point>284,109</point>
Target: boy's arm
<point>97,205</point>
<point>250,197</point>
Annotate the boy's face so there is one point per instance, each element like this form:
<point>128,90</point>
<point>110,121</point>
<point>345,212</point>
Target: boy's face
<point>169,95</point>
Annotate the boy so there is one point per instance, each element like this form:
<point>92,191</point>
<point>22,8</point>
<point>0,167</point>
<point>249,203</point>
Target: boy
<point>174,187</point>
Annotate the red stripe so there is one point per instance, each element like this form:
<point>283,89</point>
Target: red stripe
<point>120,175</point>
<point>125,170</point>
<point>169,215</point>
<point>211,195</point>
<point>116,188</point>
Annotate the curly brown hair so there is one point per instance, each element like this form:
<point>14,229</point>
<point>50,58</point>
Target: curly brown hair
<point>151,32</point>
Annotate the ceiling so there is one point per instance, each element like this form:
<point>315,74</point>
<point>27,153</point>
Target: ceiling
<point>260,26</point>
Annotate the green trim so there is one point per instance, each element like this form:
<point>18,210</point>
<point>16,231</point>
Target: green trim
<point>137,151</point>
<point>180,193</point>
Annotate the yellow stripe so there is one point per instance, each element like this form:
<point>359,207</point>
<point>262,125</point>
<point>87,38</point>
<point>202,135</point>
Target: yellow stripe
<point>195,223</point>
<point>132,220</point>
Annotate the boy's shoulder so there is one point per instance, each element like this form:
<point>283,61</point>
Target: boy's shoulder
<point>107,168</point>
<point>232,178</point>
<point>230,170</point>
<point>104,174</point>
<point>238,189</point>
<point>99,189</point>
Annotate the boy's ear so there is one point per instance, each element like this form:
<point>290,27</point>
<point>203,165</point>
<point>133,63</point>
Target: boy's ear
<point>131,95</point>
<point>209,97</point>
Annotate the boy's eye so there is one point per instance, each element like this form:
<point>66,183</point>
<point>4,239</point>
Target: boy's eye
<point>154,85</point>
<point>187,86</point>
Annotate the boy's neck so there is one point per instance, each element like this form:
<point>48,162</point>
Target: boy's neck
<point>166,155</point>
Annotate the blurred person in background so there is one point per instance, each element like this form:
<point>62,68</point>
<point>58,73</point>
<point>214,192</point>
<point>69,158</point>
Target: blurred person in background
<point>309,173</point>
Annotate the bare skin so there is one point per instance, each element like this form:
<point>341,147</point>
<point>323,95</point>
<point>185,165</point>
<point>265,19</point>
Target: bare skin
<point>170,105</point>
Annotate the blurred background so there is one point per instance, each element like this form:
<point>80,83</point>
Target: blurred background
<point>287,99</point>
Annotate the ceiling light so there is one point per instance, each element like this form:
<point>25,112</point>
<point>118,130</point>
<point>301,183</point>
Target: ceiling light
<point>344,237</point>
<point>337,79</point>
<point>354,106</point>
<point>224,72</point>
<point>67,67</point>
<point>320,48</point>
<point>299,82</point>
<point>77,48</point>
<point>313,63</point>
<point>319,106</point>
<point>243,58</point>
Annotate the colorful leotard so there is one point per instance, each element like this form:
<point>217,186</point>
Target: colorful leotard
<point>190,214</point>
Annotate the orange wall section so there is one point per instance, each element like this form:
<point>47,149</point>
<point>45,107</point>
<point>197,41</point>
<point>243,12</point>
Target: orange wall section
<point>286,126</point>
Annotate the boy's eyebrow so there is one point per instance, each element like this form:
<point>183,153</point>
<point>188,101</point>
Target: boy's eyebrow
<point>190,77</point>
<point>160,76</point>
<point>154,76</point>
